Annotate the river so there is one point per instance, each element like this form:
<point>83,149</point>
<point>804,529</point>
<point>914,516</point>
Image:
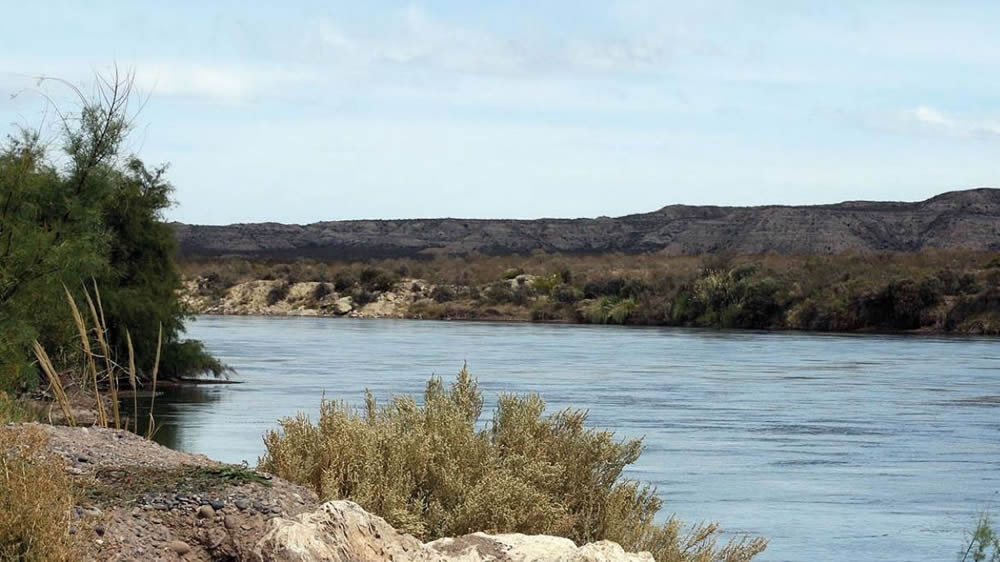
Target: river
<point>836,447</point>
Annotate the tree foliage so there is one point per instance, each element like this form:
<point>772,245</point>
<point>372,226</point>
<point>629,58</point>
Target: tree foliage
<point>87,215</point>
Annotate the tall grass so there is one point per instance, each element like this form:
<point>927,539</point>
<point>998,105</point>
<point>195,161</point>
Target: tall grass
<point>111,374</point>
<point>432,471</point>
<point>36,496</point>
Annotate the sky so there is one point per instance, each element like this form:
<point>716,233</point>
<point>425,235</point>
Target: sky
<point>308,111</point>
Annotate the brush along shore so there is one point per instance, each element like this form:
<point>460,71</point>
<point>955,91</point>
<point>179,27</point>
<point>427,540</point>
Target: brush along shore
<point>126,498</point>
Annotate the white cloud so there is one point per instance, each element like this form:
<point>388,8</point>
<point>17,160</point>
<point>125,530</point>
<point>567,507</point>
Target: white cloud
<point>221,83</point>
<point>928,120</point>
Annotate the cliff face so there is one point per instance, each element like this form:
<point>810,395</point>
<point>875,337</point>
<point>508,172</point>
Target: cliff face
<point>958,220</point>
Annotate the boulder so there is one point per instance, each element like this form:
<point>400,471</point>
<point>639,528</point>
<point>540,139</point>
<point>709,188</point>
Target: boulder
<point>343,305</point>
<point>340,531</point>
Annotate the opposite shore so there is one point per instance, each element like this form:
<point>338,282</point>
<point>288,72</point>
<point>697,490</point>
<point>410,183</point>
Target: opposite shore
<point>939,293</point>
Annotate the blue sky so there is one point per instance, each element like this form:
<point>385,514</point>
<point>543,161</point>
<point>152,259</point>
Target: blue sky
<point>334,110</point>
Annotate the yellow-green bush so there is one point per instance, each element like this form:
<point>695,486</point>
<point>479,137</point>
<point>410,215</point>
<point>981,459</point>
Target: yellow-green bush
<point>429,471</point>
<point>16,411</point>
<point>35,501</point>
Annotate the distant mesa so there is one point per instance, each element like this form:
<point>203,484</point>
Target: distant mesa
<point>967,219</point>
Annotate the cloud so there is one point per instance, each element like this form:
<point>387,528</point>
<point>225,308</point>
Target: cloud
<point>420,40</point>
<point>220,83</point>
<point>925,119</point>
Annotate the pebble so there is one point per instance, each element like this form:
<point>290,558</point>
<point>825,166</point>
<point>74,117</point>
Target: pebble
<point>242,503</point>
<point>99,530</point>
<point>180,547</point>
<point>216,504</point>
<point>74,470</point>
<point>206,512</point>
<point>230,522</point>
<point>92,512</point>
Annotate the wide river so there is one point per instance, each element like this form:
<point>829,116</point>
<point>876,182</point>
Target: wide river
<point>835,447</point>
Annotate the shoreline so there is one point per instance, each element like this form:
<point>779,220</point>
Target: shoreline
<point>918,333</point>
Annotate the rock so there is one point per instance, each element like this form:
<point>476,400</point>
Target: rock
<point>343,305</point>
<point>242,504</point>
<point>338,531</point>
<point>206,512</point>
<point>341,531</point>
<point>216,504</point>
<point>230,522</point>
<point>180,547</point>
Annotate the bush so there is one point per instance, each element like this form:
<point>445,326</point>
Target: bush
<point>36,496</point>
<point>443,293</point>
<point>984,544</point>
<point>15,411</point>
<point>567,294</point>
<point>513,272</point>
<point>430,472</point>
<point>375,279</point>
<point>362,296</point>
<point>321,291</point>
<point>499,292</point>
<point>344,281</point>
<point>277,293</point>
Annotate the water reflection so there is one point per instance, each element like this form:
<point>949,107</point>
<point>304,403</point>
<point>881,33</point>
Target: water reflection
<point>170,409</point>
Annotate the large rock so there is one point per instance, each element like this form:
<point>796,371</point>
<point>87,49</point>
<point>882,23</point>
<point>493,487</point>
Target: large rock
<point>341,531</point>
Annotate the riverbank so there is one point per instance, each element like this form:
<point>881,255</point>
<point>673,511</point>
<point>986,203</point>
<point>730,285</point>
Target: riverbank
<point>133,499</point>
<point>942,292</point>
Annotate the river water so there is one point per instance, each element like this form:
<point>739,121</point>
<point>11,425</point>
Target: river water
<point>835,447</point>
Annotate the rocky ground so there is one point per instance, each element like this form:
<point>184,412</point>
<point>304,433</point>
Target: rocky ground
<point>140,501</point>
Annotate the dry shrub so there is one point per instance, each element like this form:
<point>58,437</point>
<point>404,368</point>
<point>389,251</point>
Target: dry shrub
<point>35,501</point>
<point>429,471</point>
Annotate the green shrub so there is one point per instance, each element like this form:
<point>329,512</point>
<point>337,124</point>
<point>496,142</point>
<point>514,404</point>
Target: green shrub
<point>277,293</point>
<point>984,544</point>
<point>443,293</point>
<point>15,411</point>
<point>513,272</point>
<point>545,284</point>
<point>321,291</point>
<point>567,294</point>
<point>344,280</point>
<point>430,472</point>
<point>374,279</point>
<point>499,292</point>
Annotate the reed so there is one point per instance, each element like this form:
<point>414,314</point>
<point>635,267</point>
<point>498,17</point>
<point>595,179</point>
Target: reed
<point>112,371</point>
<point>102,417</point>
<point>132,381</point>
<point>55,383</point>
<point>151,429</point>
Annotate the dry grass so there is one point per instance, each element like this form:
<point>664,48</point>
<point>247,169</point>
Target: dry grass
<point>430,472</point>
<point>36,497</point>
<point>108,377</point>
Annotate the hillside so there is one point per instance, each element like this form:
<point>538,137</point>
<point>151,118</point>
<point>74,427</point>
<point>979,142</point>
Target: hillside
<point>967,219</point>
